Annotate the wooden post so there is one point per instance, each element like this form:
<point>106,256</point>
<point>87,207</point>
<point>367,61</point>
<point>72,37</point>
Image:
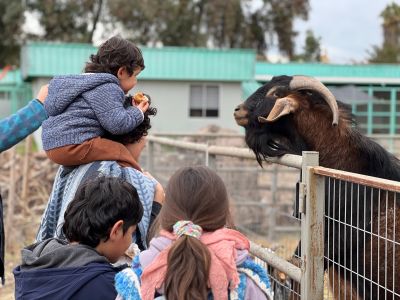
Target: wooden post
<point>25,171</point>
<point>150,157</point>
<point>11,199</point>
<point>273,209</point>
<point>312,229</point>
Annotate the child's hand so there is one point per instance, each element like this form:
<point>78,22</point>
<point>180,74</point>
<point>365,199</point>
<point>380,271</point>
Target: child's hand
<point>141,101</point>
<point>44,90</point>
<point>143,106</point>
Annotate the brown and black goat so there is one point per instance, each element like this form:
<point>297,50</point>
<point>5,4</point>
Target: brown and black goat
<point>291,114</point>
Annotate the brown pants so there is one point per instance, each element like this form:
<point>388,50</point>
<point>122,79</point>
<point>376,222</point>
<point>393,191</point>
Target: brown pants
<point>92,150</point>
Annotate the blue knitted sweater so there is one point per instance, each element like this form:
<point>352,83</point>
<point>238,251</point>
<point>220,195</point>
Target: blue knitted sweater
<point>82,107</point>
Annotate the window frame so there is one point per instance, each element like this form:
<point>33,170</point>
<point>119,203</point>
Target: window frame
<point>204,107</point>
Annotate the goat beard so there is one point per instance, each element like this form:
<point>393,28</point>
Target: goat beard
<point>264,146</point>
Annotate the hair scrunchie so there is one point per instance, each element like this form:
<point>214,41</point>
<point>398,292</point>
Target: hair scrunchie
<point>187,228</point>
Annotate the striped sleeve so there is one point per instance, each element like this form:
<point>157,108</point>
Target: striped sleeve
<point>19,125</point>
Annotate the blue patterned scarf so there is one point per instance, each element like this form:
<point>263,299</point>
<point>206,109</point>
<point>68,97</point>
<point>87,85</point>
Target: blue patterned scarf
<point>69,179</point>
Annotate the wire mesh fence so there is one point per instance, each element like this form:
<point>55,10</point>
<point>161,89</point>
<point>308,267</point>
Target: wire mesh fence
<point>357,230</point>
<point>262,202</point>
<point>362,237</point>
<point>262,198</point>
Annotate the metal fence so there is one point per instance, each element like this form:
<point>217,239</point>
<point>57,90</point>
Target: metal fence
<point>350,235</point>
<point>362,235</point>
<point>299,277</point>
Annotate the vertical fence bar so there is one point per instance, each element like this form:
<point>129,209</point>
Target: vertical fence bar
<point>393,114</point>
<point>272,209</point>
<point>150,157</point>
<point>370,111</point>
<point>210,159</point>
<point>312,229</point>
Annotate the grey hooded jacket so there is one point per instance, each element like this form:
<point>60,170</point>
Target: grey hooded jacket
<point>82,107</point>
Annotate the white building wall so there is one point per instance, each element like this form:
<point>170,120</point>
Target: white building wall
<point>171,98</point>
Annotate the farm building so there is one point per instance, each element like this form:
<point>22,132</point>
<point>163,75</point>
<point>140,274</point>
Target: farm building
<point>193,87</point>
<point>373,91</point>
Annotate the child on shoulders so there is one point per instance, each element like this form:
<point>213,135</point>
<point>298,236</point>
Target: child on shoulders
<point>99,224</point>
<point>83,108</point>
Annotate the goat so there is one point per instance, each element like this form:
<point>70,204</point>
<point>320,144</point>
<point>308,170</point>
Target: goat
<point>291,114</point>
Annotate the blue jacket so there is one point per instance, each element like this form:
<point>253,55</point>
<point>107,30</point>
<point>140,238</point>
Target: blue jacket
<point>53,269</point>
<point>19,125</point>
<point>82,107</point>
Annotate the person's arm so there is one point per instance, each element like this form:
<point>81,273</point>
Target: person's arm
<point>107,102</point>
<point>159,197</point>
<point>25,121</point>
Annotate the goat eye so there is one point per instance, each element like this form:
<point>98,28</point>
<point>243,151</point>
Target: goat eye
<point>307,93</point>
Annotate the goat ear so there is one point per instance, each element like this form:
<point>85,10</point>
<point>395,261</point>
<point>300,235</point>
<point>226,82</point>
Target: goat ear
<point>282,107</point>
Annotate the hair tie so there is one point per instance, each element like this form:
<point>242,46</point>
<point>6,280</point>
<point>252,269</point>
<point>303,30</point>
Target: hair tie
<point>187,228</point>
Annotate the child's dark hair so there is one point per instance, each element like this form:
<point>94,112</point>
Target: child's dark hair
<point>98,204</point>
<point>113,54</point>
<point>197,194</point>
<point>140,131</point>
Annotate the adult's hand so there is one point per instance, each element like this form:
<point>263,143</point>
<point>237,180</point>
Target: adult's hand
<point>44,90</point>
<point>159,194</point>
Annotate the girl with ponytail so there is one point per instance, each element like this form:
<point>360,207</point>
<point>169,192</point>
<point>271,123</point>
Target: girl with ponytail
<point>195,255</point>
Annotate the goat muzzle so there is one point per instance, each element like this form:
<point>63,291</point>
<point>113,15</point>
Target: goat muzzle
<point>241,115</point>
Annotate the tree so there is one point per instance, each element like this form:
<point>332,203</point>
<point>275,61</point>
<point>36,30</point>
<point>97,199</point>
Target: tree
<point>312,48</point>
<point>389,52</point>
<point>195,23</point>
<point>67,21</point>
<point>11,20</point>
<point>219,23</point>
<point>281,16</point>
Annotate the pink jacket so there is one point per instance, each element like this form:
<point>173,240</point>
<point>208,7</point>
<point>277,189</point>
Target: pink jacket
<point>160,243</point>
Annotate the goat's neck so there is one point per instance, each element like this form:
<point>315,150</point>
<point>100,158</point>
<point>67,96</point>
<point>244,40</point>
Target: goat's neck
<point>335,144</point>
<point>343,147</point>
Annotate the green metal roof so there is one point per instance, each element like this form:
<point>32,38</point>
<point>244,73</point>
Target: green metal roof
<point>330,73</point>
<point>249,87</point>
<point>167,63</point>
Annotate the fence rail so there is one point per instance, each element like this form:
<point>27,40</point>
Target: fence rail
<point>288,160</point>
<point>295,273</point>
<point>333,207</point>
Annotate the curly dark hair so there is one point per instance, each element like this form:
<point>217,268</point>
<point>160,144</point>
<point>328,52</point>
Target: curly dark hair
<point>140,131</point>
<point>98,204</point>
<point>113,54</point>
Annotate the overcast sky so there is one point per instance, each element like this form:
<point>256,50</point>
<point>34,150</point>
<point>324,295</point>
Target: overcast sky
<point>348,28</point>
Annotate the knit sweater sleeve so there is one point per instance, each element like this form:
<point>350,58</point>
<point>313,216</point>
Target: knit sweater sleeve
<point>19,125</point>
<point>106,100</point>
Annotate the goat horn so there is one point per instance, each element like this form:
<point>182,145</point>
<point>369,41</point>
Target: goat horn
<point>304,82</point>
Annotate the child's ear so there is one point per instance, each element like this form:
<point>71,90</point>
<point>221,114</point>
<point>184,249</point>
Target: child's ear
<point>117,230</point>
<point>121,73</point>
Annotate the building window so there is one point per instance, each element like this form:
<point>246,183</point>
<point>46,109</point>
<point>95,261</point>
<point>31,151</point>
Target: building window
<point>204,101</point>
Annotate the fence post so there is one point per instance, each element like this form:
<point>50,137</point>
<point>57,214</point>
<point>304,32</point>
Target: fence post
<point>272,209</point>
<point>150,157</point>
<point>210,159</point>
<point>312,198</point>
